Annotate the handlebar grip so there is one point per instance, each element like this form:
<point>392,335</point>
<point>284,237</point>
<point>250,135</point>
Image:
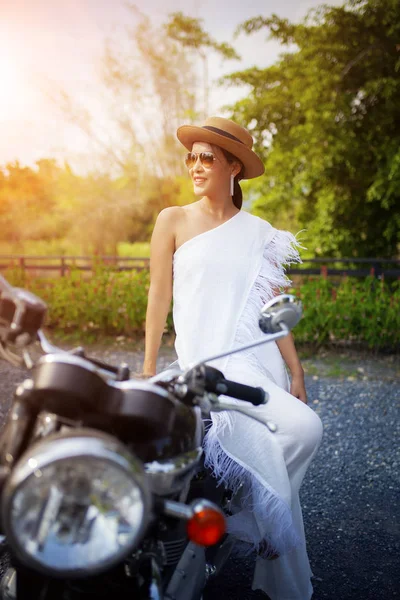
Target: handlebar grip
<point>254,395</point>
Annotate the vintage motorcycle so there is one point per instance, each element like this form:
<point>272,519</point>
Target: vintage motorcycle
<point>102,488</point>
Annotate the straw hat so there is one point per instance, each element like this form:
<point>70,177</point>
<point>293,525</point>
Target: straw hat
<point>227,135</point>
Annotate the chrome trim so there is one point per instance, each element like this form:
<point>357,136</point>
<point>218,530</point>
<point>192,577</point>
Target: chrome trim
<point>167,476</point>
<point>187,511</point>
<point>46,424</point>
<point>48,346</point>
<point>71,359</point>
<point>177,510</point>
<point>200,504</point>
<point>134,384</point>
<point>285,309</point>
<point>61,447</point>
<point>167,375</point>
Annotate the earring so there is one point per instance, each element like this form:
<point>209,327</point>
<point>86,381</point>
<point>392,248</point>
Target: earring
<point>232,185</point>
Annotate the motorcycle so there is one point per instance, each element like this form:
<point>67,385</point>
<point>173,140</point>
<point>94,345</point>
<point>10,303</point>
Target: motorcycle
<point>102,486</point>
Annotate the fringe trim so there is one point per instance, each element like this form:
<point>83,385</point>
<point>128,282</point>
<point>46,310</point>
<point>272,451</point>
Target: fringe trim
<point>280,251</point>
<point>279,535</point>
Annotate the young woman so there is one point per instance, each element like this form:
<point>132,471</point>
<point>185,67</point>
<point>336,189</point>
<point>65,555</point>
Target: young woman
<point>220,265</point>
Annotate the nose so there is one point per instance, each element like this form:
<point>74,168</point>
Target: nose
<point>197,165</point>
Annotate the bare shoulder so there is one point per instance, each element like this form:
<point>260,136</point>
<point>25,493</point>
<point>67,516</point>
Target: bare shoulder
<point>170,218</point>
<point>170,214</point>
<point>167,218</point>
<point>167,224</point>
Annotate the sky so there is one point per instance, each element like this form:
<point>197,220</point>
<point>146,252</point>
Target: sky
<point>49,45</point>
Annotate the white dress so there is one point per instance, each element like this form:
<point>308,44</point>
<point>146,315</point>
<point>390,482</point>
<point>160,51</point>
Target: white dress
<point>222,278</point>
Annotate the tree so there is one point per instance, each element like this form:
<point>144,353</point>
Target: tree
<point>27,201</point>
<point>326,120</point>
<point>150,88</point>
<point>190,34</point>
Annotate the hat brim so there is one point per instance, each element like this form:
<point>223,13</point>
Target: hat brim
<point>253,166</point>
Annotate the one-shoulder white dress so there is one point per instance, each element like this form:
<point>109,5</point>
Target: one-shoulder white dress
<point>221,280</point>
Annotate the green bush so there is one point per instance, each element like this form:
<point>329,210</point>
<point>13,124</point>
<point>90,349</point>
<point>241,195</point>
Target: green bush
<point>364,311</point>
<point>108,302</point>
<point>114,303</point>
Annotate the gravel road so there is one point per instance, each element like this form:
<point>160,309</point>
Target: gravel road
<point>351,495</point>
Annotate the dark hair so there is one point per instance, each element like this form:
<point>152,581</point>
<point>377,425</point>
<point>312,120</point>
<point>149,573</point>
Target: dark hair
<point>237,190</point>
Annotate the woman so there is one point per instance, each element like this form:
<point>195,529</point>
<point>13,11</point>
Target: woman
<point>220,265</point>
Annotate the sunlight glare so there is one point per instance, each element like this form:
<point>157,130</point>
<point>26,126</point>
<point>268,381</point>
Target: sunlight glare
<point>10,86</point>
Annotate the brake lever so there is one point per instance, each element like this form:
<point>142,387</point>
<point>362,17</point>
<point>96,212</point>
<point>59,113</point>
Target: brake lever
<point>211,403</point>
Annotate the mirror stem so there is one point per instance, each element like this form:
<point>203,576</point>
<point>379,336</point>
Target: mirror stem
<point>264,340</point>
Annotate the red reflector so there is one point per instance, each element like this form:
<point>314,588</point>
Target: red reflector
<point>206,527</point>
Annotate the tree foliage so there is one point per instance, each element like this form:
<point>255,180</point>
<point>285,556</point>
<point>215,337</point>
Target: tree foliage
<point>93,212</point>
<point>191,36</point>
<point>326,120</point>
<point>149,89</point>
<point>25,193</point>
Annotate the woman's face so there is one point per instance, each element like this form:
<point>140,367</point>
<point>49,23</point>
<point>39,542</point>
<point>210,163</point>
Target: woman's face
<point>215,179</point>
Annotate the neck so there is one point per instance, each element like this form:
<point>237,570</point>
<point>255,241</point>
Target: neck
<point>220,208</point>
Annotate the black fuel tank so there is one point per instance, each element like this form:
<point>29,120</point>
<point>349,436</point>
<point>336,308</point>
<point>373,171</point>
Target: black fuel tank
<point>150,421</point>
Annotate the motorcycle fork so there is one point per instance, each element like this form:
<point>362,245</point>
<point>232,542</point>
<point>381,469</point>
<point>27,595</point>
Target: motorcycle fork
<point>189,577</point>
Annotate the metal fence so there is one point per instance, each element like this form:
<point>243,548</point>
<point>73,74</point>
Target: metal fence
<point>325,267</point>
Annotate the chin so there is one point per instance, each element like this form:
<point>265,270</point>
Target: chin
<point>198,191</point>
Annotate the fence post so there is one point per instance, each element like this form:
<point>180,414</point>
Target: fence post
<point>62,268</point>
<point>378,270</point>
<point>22,262</point>
<point>324,271</point>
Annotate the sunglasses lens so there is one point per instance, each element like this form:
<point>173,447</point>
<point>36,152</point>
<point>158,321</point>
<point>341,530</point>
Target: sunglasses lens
<point>207,159</point>
<point>190,159</point>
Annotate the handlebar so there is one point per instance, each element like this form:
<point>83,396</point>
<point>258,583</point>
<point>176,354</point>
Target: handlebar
<point>212,380</point>
<point>254,395</point>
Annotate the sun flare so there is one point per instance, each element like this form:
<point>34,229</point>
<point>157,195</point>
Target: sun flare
<point>10,85</point>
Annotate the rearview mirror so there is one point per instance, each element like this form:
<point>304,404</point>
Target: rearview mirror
<point>21,312</point>
<point>285,309</point>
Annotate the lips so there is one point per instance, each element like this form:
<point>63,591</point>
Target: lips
<point>198,180</point>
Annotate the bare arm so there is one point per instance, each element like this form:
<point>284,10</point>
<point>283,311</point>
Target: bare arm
<point>289,354</point>
<point>162,248</point>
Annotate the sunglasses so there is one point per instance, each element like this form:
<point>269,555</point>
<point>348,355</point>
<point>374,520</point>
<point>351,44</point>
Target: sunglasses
<point>206,159</point>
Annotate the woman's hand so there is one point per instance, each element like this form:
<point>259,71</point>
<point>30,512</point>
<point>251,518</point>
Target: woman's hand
<point>144,375</point>
<point>297,387</point>
<point>288,351</point>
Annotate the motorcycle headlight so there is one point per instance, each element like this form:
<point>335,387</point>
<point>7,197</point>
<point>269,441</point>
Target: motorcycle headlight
<point>75,504</point>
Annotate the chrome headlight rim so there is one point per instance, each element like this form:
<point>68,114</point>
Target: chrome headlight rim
<point>57,448</point>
